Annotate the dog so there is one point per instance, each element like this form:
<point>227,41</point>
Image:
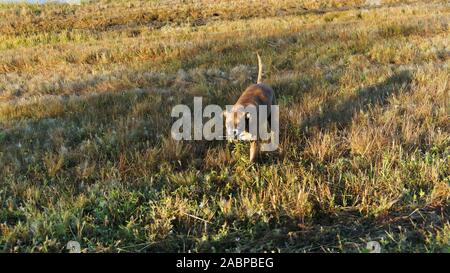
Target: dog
<point>255,95</point>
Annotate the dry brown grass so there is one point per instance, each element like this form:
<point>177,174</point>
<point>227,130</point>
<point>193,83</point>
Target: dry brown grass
<point>85,153</point>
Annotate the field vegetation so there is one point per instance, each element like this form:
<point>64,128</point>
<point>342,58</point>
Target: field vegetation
<point>86,154</point>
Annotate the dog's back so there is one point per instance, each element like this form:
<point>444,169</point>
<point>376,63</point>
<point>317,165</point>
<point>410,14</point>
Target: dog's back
<point>256,94</point>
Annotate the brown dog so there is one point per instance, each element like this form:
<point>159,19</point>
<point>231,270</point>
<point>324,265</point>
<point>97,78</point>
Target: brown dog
<point>255,95</point>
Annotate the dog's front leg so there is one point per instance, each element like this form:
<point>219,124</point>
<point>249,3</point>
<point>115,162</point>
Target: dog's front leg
<point>254,150</point>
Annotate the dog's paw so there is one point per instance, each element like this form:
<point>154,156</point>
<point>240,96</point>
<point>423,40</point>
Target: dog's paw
<point>246,136</point>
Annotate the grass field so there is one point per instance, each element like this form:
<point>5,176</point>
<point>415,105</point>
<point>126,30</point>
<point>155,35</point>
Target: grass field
<point>85,150</point>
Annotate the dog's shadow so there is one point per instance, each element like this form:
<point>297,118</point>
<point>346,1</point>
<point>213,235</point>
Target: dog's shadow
<point>341,113</point>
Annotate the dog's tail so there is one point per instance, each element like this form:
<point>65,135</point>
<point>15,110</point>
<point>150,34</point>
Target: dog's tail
<point>259,68</point>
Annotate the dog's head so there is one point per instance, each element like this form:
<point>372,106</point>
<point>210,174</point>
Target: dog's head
<point>237,124</point>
